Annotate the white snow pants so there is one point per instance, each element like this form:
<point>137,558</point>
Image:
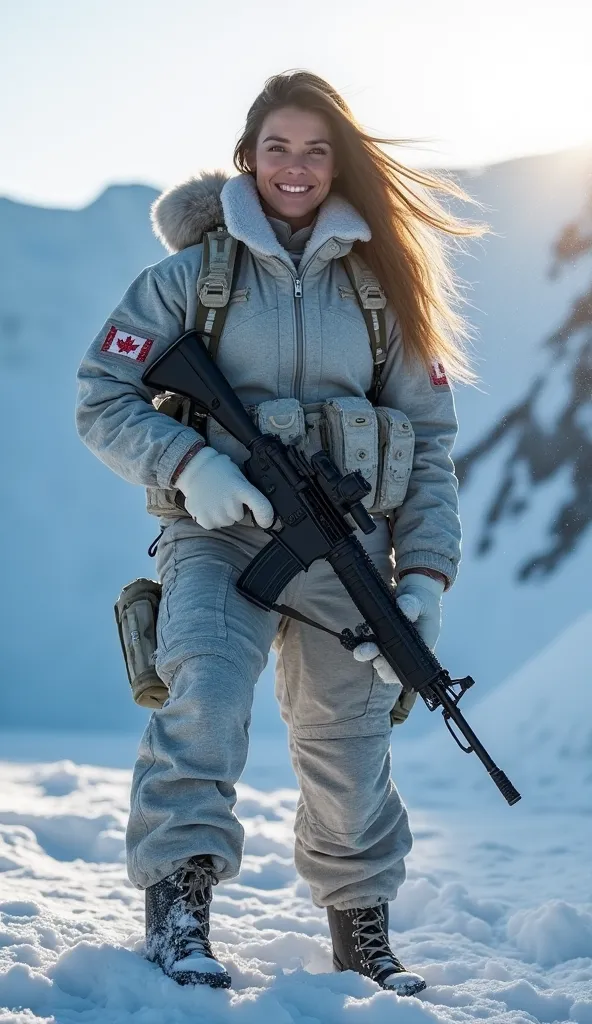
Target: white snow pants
<point>351,830</point>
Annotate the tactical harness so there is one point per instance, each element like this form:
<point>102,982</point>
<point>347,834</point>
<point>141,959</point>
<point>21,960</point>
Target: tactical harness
<point>217,277</point>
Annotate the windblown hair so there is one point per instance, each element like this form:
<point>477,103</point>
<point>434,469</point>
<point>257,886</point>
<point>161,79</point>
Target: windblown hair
<point>410,248</point>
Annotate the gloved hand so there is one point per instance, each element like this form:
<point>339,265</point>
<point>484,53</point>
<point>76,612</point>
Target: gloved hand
<point>419,598</point>
<point>215,491</point>
<point>368,651</point>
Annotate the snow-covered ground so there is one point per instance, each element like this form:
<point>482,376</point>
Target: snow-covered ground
<point>496,911</point>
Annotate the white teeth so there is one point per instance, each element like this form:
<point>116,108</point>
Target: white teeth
<point>294,188</point>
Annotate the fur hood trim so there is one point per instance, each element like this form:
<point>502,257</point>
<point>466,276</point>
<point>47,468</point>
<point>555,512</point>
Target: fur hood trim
<point>182,214</point>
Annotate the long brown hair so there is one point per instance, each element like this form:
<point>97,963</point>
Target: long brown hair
<point>409,252</point>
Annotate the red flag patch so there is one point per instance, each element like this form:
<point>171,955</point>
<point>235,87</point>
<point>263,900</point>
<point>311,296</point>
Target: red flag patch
<point>123,344</point>
<point>438,375</point>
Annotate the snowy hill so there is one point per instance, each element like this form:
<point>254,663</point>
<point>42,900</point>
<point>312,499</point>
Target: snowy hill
<point>537,726</point>
<point>63,566</point>
<point>524,454</point>
<point>74,533</point>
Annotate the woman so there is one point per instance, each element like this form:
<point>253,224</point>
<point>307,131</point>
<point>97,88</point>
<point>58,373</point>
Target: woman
<point>312,187</point>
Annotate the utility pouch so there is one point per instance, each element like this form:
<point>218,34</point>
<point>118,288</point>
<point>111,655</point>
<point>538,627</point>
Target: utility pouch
<point>396,441</point>
<point>136,611</point>
<point>400,712</point>
<point>284,417</point>
<point>352,439</point>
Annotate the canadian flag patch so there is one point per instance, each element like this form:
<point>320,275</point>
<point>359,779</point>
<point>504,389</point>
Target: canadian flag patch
<point>121,343</point>
<point>438,375</point>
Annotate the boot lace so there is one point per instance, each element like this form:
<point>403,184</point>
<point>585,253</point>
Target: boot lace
<point>372,942</point>
<point>195,884</point>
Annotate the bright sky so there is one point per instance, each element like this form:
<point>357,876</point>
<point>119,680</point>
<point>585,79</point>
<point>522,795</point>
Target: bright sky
<point>102,91</point>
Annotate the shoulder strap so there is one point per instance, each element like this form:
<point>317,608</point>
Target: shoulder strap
<point>372,302</point>
<point>219,266</point>
<point>216,278</point>
<point>214,284</point>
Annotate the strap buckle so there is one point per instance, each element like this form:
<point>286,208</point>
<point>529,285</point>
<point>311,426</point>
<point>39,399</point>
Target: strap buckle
<point>215,289</point>
<point>371,294</point>
<point>219,254</point>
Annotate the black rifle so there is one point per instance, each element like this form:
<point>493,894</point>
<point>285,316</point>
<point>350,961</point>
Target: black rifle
<point>314,505</point>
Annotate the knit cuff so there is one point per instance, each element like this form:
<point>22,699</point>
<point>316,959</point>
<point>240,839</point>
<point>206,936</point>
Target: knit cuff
<point>427,560</point>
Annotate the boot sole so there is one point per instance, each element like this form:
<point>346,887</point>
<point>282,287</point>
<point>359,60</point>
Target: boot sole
<point>221,980</point>
<point>411,990</point>
<point>194,978</point>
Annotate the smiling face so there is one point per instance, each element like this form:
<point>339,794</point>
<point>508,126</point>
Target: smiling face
<point>294,164</point>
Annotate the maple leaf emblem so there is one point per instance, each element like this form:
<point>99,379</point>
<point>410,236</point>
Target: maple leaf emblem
<point>438,373</point>
<point>127,345</point>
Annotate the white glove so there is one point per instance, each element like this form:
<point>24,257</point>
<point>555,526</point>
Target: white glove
<point>369,652</point>
<point>215,491</point>
<point>419,598</point>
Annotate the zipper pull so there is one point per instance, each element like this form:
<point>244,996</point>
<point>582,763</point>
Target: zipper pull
<point>298,288</point>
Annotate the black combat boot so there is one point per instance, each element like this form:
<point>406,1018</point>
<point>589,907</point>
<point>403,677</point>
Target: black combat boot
<point>360,943</point>
<point>178,925</point>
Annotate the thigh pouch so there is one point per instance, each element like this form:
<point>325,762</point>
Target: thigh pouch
<point>136,611</point>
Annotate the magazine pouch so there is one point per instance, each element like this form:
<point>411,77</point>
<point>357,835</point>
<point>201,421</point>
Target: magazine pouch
<point>352,438</point>
<point>396,444</point>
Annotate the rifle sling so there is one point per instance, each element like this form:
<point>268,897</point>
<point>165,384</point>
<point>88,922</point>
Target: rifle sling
<point>346,638</point>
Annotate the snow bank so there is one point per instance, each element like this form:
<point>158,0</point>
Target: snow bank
<point>552,933</point>
<point>71,925</point>
<point>537,726</point>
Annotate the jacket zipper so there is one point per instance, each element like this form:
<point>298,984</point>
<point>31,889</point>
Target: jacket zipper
<point>298,316</point>
<point>299,338</point>
<point>299,325</point>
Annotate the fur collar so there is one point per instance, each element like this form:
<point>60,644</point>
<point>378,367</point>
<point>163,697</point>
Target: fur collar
<point>182,214</point>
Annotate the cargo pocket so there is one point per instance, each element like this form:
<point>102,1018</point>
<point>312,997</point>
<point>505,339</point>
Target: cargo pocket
<point>193,606</point>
